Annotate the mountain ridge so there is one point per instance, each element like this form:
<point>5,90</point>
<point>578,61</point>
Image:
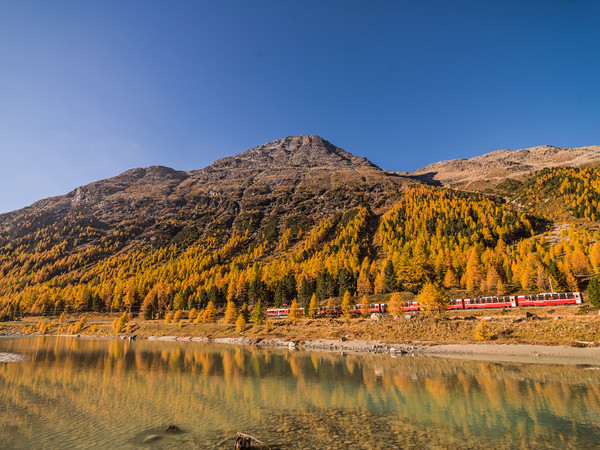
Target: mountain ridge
<point>293,174</point>
<point>267,164</point>
<point>488,169</point>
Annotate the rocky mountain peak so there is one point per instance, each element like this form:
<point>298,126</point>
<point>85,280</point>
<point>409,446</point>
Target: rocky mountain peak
<point>293,151</point>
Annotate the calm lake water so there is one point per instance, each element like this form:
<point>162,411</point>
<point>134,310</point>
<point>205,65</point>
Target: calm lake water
<point>101,393</point>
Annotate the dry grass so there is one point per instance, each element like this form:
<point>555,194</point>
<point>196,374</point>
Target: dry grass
<point>554,326</point>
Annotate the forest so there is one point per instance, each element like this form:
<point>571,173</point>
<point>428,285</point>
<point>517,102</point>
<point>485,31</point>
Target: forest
<point>469,243</point>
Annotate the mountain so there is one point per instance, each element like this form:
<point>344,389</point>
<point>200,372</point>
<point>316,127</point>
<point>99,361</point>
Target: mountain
<point>296,175</point>
<point>300,216</point>
<point>488,170</point>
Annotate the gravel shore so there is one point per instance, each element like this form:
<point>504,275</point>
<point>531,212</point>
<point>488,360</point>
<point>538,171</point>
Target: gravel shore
<point>523,353</point>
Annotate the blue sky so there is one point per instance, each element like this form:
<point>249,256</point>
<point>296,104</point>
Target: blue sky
<point>89,89</point>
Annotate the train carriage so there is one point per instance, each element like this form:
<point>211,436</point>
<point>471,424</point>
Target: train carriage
<point>329,311</point>
<point>278,312</point>
<point>410,306</point>
<point>378,307</point>
<point>456,304</point>
<point>550,299</point>
<point>490,302</point>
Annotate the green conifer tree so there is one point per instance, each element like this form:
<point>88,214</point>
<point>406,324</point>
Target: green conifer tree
<point>389,277</point>
<point>259,315</point>
<point>593,292</point>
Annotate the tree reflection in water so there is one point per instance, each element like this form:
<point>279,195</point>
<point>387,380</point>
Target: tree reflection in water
<point>91,392</point>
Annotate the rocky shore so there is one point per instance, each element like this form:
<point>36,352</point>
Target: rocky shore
<point>524,353</point>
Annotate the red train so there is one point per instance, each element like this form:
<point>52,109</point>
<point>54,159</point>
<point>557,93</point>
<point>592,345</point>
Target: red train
<point>513,301</point>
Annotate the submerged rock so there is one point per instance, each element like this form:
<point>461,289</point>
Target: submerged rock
<point>11,357</point>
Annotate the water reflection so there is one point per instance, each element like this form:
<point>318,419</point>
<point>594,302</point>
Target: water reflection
<point>109,393</point>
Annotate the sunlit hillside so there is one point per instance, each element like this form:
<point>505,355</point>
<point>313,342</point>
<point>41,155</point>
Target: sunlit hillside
<point>179,240</point>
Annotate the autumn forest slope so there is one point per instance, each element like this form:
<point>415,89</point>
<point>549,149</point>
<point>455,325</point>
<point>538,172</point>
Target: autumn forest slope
<point>288,219</point>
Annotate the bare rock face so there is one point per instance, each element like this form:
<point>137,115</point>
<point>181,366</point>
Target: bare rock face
<point>298,174</point>
<point>293,151</point>
<point>293,169</point>
<point>491,168</point>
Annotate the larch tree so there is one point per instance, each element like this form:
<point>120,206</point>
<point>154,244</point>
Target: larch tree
<point>148,306</point>
<point>313,307</point>
<point>346,305</point>
<point>473,270</point>
<point>210,313</point>
<point>363,284</point>
<point>240,323</point>
<point>450,280</point>
<point>364,306</point>
<point>244,311</point>
<point>231,312</point>
<point>595,256</point>
<point>295,312</point>
<point>395,305</point>
<point>433,298</point>
<point>580,262</point>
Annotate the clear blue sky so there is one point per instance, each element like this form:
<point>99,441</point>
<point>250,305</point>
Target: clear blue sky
<point>89,89</point>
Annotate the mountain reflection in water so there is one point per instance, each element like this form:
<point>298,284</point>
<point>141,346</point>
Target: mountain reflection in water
<point>77,392</point>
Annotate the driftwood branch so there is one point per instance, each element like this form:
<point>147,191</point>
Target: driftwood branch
<point>223,441</point>
<point>244,441</point>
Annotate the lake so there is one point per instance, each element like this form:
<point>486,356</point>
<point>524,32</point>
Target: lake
<point>109,393</point>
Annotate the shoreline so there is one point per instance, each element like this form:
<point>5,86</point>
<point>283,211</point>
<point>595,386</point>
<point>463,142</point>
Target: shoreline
<point>489,352</point>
